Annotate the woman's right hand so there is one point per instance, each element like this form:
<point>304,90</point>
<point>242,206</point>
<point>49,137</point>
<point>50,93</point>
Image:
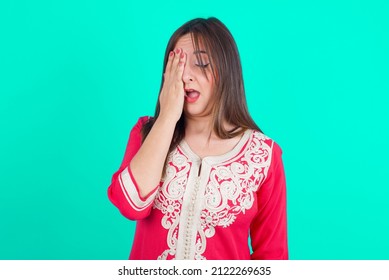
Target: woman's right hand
<point>172,95</point>
<point>148,163</point>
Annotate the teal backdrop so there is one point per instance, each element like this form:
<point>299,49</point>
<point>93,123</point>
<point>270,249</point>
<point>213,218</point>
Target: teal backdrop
<point>76,75</point>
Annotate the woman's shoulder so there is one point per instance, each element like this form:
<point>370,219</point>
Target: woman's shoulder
<point>260,136</point>
<point>144,119</point>
<point>137,127</point>
<point>266,140</point>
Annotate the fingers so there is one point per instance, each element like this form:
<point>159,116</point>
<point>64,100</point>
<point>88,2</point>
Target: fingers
<point>179,69</point>
<point>169,62</point>
<point>176,61</point>
<point>182,60</point>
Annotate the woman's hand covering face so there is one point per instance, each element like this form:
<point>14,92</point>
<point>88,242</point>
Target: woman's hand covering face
<point>172,95</point>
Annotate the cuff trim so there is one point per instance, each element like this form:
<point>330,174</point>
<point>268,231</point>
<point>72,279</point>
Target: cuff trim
<point>130,190</point>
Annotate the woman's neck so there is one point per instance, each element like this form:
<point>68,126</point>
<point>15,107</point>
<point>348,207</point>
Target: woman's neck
<point>203,127</point>
<point>199,126</point>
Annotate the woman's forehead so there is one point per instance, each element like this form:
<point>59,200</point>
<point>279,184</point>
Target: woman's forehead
<point>186,43</point>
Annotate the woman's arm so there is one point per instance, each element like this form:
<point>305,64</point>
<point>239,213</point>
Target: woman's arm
<point>268,230</point>
<point>134,185</point>
<point>124,190</point>
<point>148,163</point>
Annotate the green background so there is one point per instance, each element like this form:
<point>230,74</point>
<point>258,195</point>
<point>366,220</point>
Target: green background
<point>76,75</point>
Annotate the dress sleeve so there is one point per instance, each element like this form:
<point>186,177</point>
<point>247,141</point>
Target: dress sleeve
<point>123,191</point>
<point>268,231</point>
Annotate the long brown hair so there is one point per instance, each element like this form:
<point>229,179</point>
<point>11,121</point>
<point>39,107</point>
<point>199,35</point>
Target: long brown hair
<point>230,100</point>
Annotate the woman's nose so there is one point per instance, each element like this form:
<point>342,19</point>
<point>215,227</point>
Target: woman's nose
<point>187,75</point>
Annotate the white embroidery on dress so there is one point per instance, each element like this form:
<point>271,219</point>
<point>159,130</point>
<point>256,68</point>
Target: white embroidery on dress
<point>229,192</point>
<point>170,197</point>
<point>231,189</point>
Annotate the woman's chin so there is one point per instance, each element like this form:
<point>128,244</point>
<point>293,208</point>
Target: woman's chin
<point>196,111</point>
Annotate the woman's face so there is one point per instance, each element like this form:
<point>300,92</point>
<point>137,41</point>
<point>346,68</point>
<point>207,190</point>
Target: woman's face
<point>198,87</point>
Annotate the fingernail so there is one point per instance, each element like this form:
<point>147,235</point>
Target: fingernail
<point>182,55</point>
<point>171,54</point>
<point>177,51</point>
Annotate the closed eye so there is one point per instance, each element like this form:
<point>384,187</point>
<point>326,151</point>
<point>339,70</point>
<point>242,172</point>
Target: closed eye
<point>202,65</point>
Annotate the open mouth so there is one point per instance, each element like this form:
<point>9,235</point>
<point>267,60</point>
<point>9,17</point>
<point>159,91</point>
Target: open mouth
<point>191,95</point>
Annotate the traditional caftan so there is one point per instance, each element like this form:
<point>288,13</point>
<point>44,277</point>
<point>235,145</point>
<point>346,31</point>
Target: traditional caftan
<point>208,214</point>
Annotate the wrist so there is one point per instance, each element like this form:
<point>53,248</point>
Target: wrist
<point>166,121</point>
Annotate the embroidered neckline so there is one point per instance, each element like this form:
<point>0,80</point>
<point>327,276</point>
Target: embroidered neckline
<point>218,158</point>
<point>194,207</point>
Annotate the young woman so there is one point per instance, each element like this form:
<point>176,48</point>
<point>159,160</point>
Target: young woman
<point>200,177</point>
